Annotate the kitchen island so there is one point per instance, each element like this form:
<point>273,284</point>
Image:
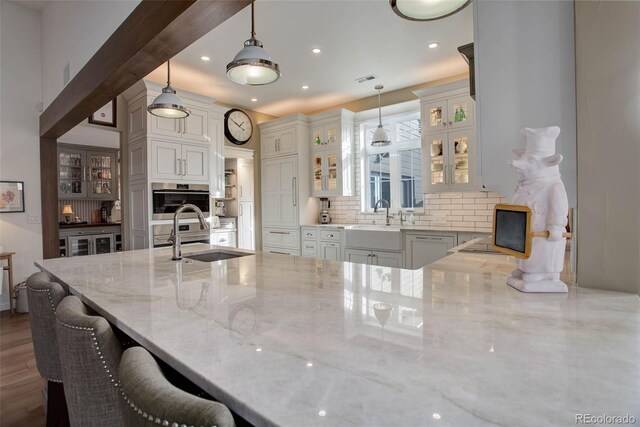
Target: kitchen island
<point>286,340</point>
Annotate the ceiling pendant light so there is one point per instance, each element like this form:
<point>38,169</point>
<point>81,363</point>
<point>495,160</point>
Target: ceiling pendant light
<point>380,137</point>
<point>167,104</point>
<point>252,65</point>
<point>427,10</point>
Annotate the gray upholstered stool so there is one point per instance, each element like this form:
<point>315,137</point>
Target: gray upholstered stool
<point>89,354</point>
<point>43,298</point>
<point>150,400</point>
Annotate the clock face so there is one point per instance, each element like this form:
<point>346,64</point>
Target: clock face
<point>237,126</point>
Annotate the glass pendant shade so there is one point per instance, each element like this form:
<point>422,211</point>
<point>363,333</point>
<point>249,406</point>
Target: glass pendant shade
<point>380,137</point>
<point>167,104</point>
<point>427,10</point>
<point>253,65</point>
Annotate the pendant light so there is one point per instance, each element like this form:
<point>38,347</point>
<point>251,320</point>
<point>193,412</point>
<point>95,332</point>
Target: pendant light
<point>380,137</point>
<point>252,65</point>
<point>427,10</point>
<point>167,104</point>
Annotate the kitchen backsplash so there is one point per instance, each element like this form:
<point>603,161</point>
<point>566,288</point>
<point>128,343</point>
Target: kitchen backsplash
<point>81,208</point>
<point>473,209</point>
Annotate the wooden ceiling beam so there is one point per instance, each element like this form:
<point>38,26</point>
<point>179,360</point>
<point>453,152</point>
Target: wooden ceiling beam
<point>155,31</point>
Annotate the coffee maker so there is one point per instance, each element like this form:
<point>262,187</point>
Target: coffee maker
<point>324,217</point>
<point>220,209</point>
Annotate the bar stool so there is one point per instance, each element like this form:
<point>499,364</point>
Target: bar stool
<point>43,298</point>
<point>89,354</point>
<point>150,400</point>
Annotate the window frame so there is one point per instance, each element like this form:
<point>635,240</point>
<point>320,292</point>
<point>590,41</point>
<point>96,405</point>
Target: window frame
<point>390,124</point>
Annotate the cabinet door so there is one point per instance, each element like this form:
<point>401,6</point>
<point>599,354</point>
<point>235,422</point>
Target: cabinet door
<point>216,134</point>
<point>268,144</point>
<point>330,250</point>
<point>317,174</point>
<point>358,256</point>
<point>287,143</point>
<point>310,248</point>
<point>163,126</point>
<point>102,243</point>
<point>166,160</point>
<point>317,136</point>
<point>461,149</point>
<point>79,245</point>
<point>435,114</point>
<point>423,250</point>
<point>387,259</point>
<point>71,174</point>
<point>245,180</point>
<point>195,163</point>
<point>194,127</point>
<point>271,204</point>
<point>332,172</point>
<point>246,226</point>
<point>289,191</point>
<point>102,175</point>
<point>435,162</point>
<point>460,112</point>
<point>332,134</point>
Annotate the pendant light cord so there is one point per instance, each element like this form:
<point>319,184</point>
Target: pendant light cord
<point>168,72</point>
<point>253,28</point>
<point>379,109</point>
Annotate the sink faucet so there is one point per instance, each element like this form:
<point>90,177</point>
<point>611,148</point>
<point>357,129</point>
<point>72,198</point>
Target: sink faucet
<point>378,203</point>
<point>174,239</point>
<point>401,217</point>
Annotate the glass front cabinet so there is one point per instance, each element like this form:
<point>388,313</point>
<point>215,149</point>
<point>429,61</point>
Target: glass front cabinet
<point>331,154</point>
<point>448,138</point>
<point>87,174</point>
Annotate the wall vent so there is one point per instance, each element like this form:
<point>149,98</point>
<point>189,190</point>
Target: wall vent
<point>366,78</point>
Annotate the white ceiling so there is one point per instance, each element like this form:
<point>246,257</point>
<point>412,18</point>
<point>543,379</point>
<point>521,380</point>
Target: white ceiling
<point>357,38</point>
<point>36,5</point>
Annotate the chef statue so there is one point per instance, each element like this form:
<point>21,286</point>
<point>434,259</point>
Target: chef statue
<point>540,188</point>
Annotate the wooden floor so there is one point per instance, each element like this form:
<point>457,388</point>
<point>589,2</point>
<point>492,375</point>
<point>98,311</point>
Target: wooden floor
<point>20,383</point>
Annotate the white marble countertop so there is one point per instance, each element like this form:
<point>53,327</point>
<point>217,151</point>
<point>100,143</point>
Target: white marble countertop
<point>296,341</point>
<point>405,228</point>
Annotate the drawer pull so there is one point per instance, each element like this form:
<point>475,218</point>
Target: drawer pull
<point>281,253</point>
<point>330,235</point>
<point>429,238</point>
<point>309,234</point>
<point>280,232</point>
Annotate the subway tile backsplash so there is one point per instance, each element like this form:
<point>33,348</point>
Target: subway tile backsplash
<point>466,209</point>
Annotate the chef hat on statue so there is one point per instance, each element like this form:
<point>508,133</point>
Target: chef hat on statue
<point>541,142</point>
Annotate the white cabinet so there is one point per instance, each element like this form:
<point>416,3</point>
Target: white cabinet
<point>331,250</point>
<point>246,226</point>
<point>193,127</point>
<point>244,180</point>
<point>332,154</point>
<point>423,249</point>
<point>279,192</point>
<point>449,147</point>
<point>216,154</point>
<point>179,162</point>
<point>373,257</point>
<point>279,142</point>
<point>322,242</point>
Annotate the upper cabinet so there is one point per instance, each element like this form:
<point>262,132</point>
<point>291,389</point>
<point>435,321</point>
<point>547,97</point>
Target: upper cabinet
<point>87,172</point>
<point>332,154</point>
<point>193,128</point>
<point>279,142</point>
<point>448,139</point>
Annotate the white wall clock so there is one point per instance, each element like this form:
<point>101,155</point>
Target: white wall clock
<point>237,126</point>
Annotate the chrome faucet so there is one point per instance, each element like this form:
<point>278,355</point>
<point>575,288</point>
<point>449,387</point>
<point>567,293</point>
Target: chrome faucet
<point>401,217</point>
<point>174,239</point>
<point>375,209</point>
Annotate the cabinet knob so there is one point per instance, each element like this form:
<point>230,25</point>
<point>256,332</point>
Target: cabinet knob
<point>450,123</point>
<point>444,124</point>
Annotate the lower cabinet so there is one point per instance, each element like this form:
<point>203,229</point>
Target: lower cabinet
<point>381,258</point>
<point>331,250</point>
<point>422,249</point>
<point>322,243</point>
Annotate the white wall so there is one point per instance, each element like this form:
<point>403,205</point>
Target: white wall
<point>72,32</point>
<point>608,101</point>
<point>20,93</point>
<point>525,72</point>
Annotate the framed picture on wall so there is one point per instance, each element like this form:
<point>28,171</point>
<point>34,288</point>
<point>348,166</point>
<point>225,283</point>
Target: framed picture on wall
<point>106,116</point>
<point>11,196</point>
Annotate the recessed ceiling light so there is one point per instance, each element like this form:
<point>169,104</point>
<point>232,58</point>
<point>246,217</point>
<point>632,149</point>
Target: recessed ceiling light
<point>436,416</point>
<point>316,50</point>
<point>205,58</point>
<point>305,87</point>
<point>322,413</point>
<point>254,99</point>
<point>433,45</point>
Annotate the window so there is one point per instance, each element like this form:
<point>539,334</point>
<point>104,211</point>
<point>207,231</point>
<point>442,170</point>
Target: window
<point>393,172</point>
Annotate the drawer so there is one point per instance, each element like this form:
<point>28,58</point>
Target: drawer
<point>309,248</point>
<point>309,233</point>
<point>281,251</point>
<point>281,237</point>
<point>331,235</point>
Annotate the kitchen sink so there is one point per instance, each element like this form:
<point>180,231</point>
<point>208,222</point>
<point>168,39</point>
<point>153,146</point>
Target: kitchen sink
<point>217,255</point>
<point>372,236</point>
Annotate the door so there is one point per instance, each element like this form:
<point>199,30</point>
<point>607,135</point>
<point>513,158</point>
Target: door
<point>163,126</point>
<point>460,112</point>
<point>289,191</point>
<point>332,174</point>
<point>268,144</point>
<point>330,250</point>
<point>332,134</point>
<point>195,126</point>
<point>79,245</point>
<point>245,180</point>
<point>102,175</point>
<point>279,186</point>
<point>317,134</point>
<point>436,114</point>
<point>435,162</point>
<point>287,141</point>
<point>387,259</point>
<point>102,243</point>
<point>359,256</point>
<point>71,174</point>
<point>195,163</point>
<point>461,149</point>
<point>271,204</point>
<point>246,233</point>
<point>166,160</point>
<point>317,174</point>
<point>423,250</point>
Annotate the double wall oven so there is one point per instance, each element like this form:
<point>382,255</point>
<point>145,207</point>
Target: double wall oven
<point>167,198</point>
